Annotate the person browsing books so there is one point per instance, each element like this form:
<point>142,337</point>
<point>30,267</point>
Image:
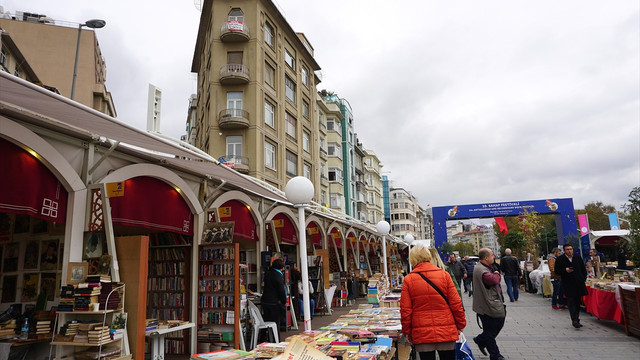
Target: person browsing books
<point>274,295</point>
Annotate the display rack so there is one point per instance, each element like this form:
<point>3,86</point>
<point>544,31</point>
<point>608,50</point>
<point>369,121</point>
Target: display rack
<point>168,289</point>
<point>60,341</point>
<point>250,272</point>
<point>219,294</point>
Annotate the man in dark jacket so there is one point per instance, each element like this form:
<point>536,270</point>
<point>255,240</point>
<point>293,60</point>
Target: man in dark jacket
<point>457,268</point>
<point>274,294</point>
<point>468,265</point>
<point>510,267</point>
<point>573,273</point>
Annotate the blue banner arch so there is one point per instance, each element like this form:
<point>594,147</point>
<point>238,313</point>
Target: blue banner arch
<point>562,208</point>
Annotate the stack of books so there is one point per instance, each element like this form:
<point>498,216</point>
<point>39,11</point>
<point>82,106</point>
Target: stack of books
<point>99,335</point>
<point>8,331</point>
<point>43,326</point>
<point>113,299</point>
<point>67,300</point>
<point>70,328</point>
<point>151,324</point>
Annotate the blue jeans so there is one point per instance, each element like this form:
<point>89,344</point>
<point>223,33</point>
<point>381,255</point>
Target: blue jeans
<point>312,305</point>
<point>512,286</point>
<point>556,297</point>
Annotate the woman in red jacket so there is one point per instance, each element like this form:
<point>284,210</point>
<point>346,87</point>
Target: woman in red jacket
<point>431,319</point>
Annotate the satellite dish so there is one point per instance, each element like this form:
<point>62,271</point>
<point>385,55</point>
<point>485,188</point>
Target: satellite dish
<point>198,5</point>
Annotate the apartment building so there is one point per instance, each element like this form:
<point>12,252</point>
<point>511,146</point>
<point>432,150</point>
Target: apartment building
<point>373,187</point>
<point>13,61</point>
<point>403,208</point>
<point>49,46</point>
<point>331,155</point>
<point>256,105</point>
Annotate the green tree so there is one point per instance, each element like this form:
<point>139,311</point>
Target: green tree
<point>597,213</point>
<point>446,248</point>
<point>632,210</point>
<point>512,223</point>
<point>514,241</point>
<point>531,227</point>
<point>464,249</point>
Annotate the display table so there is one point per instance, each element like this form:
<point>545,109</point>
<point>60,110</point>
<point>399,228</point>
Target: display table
<point>603,305</point>
<point>156,337</point>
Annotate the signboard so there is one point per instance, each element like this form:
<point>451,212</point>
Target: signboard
<point>278,223</point>
<point>235,25</point>
<point>224,211</point>
<point>228,164</point>
<point>115,189</point>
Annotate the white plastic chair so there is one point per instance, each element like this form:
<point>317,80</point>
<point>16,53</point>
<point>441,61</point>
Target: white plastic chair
<point>259,324</point>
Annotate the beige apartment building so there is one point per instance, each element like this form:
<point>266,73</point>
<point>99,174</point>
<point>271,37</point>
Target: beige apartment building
<point>49,47</point>
<point>373,187</point>
<point>403,213</point>
<point>330,139</point>
<point>256,105</point>
<point>13,61</point>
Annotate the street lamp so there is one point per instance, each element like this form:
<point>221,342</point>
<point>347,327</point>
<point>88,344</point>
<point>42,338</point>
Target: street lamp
<point>409,239</point>
<point>93,24</point>
<point>383,228</point>
<point>299,191</point>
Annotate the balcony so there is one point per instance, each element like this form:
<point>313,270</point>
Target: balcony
<point>234,31</point>
<point>234,74</point>
<point>233,119</point>
<point>323,154</point>
<point>239,163</point>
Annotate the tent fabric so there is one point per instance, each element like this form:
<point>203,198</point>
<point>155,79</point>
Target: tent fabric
<point>244,225</point>
<point>28,187</point>
<point>152,204</point>
<point>287,231</point>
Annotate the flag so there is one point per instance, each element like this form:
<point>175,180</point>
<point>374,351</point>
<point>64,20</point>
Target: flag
<point>502,225</point>
<point>583,222</point>
<point>613,221</point>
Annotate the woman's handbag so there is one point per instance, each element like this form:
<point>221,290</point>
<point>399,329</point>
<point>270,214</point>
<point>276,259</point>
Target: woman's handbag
<point>463,351</point>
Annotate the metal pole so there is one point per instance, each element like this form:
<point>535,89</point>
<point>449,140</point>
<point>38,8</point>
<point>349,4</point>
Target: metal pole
<point>304,270</point>
<point>384,256</point>
<point>75,64</point>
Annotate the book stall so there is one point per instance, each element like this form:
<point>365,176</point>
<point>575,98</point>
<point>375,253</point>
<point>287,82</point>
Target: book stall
<point>366,333</point>
<point>604,300</point>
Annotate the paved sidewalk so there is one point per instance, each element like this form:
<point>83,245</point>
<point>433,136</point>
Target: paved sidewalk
<point>533,330</point>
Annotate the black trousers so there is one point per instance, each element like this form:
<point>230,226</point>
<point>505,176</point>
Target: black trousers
<point>574,308</point>
<point>442,354</point>
<point>273,313</point>
<point>490,329</point>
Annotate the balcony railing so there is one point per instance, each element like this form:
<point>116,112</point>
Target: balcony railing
<point>234,31</point>
<point>233,119</point>
<point>233,74</point>
<point>240,163</point>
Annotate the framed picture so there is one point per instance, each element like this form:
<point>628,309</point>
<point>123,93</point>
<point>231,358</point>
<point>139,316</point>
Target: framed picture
<point>93,244</point>
<point>29,287</point>
<point>221,232</point>
<point>104,265</point>
<point>49,257</point>
<point>31,253</point>
<point>10,259</point>
<point>48,285</point>
<point>9,285</point>
<point>77,272</point>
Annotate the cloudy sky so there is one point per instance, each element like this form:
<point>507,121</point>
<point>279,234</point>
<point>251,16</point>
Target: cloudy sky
<point>463,101</point>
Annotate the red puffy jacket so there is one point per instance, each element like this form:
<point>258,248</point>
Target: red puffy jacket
<point>424,313</point>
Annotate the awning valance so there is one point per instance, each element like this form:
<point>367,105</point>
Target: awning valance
<point>244,224</point>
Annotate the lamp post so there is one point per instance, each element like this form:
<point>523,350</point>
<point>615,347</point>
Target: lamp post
<point>93,24</point>
<point>409,239</point>
<point>299,192</point>
<point>383,228</point>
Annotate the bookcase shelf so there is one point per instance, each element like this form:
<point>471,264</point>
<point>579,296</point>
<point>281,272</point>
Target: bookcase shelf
<point>218,310</point>
<point>168,285</point>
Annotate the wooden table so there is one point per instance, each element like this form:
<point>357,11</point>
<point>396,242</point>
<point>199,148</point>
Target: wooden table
<point>157,339</point>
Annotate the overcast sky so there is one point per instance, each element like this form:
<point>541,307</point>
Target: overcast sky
<point>463,101</point>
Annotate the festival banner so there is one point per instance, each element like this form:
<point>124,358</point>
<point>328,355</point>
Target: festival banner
<point>613,221</point>
<point>583,223</point>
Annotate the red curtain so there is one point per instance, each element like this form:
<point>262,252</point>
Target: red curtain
<point>244,226</point>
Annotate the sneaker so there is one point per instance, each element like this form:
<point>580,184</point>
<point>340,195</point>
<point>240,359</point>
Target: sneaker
<point>576,324</point>
<point>555,307</point>
<point>483,349</point>
<point>563,307</point>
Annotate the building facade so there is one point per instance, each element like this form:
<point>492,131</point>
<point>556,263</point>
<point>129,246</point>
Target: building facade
<point>373,187</point>
<point>403,213</point>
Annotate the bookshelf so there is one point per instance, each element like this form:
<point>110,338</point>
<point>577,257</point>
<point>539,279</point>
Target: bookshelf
<point>168,285</point>
<point>250,275</point>
<point>218,294</point>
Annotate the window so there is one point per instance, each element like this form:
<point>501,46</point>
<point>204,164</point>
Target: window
<point>321,120</point>
<point>292,164</point>
<point>236,15</point>
<point>234,104</point>
<point>234,57</point>
<point>335,149</point>
<point>269,75</point>
<point>323,198</point>
<point>269,113</point>
<point>305,141</point>
<point>370,198</point>
<point>3,58</point>
<point>331,124</point>
<point>323,168</point>
<point>290,59</point>
<point>307,171</point>
<point>323,147</point>
<point>17,71</point>
<point>290,89</point>
<point>304,73</point>
<point>269,155</point>
<point>268,34</point>
<point>335,174</point>
<point>234,147</point>
<point>290,125</point>
<point>305,109</point>
<point>336,200</point>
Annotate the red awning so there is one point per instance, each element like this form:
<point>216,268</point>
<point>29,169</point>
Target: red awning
<point>28,187</point>
<point>244,226</point>
<point>335,239</point>
<point>313,234</point>
<point>153,204</point>
<point>284,227</point>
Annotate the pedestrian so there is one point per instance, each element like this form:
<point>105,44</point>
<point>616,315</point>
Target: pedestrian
<point>468,277</point>
<point>510,267</point>
<point>456,267</point>
<point>488,303</point>
<point>274,295</point>
<point>312,302</point>
<point>573,273</point>
<point>557,299</point>
<point>437,261</point>
<point>430,308</point>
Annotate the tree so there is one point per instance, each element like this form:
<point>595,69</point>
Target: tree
<point>633,216</point>
<point>446,248</point>
<point>531,226</point>
<point>597,213</point>
<point>514,241</point>
<point>464,249</point>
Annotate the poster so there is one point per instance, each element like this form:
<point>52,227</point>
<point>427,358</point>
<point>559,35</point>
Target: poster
<point>30,287</point>
<point>48,285</point>
<point>32,250</point>
<point>10,260</point>
<point>49,257</point>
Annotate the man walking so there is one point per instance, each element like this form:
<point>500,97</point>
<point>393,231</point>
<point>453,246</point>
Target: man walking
<point>457,268</point>
<point>557,301</point>
<point>510,267</point>
<point>468,277</point>
<point>573,273</point>
<point>488,304</point>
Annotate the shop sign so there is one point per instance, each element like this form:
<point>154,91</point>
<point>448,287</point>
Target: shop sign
<point>234,25</point>
<point>278,223</point>
<point>115,189</point>
<point>224,212</point>
<point>312,230</point>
